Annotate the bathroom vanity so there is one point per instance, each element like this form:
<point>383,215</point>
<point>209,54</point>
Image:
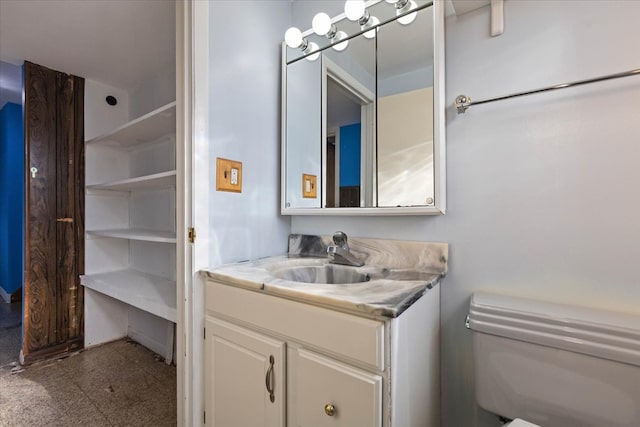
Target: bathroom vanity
<point>282,349</point>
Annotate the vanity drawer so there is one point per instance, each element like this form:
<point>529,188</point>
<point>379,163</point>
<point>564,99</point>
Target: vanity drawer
<point>325,392</point>
<point>354,338</point>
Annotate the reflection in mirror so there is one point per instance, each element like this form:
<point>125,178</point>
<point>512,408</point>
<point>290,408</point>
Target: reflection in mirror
<point>405,112</point>
<point>349,112</point>
<point>303,132</point>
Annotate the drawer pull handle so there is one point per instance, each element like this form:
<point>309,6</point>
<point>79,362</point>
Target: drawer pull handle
<point>270,380</point>
<point>329,409</point>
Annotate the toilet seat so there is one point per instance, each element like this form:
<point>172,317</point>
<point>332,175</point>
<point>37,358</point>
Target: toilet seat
<point>520,423</point>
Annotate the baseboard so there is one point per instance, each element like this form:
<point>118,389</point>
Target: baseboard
<point>9,298</point>
<point>148,342</point>
<point>5,296</point>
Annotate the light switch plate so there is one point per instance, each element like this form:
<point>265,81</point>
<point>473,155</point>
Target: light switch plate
<point>309,186</point>
<point>228,175</point>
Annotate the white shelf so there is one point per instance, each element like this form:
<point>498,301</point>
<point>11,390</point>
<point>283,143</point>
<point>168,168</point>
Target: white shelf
<point>152,294</point>
<point>137,234</point>
<point>147,128</point>
<point>149,182</point>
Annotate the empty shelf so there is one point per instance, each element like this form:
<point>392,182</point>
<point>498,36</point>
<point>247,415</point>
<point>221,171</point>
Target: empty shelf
<point>149,182</point>
<point>153,294</point>
<point>147,128</point>
<point>137,234</point>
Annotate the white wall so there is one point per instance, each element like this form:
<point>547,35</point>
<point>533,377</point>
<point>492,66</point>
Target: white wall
<point>100,117</point>
<point>10,84</point>
<point>153,92</point>
<point>405,148</point>
<point>542,197</point>
<point>245,126</point>
<point>303,11</point>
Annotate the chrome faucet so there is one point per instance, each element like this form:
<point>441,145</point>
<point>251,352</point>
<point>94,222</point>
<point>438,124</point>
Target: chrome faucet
<point>340,253</point>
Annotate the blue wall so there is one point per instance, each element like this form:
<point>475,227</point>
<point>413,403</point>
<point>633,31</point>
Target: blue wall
<point>350,155</point>
<point>11,197</point>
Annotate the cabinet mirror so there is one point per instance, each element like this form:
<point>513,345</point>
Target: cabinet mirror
<point>363,115</point>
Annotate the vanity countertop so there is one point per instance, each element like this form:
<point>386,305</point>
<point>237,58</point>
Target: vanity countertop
<point>400,273</point>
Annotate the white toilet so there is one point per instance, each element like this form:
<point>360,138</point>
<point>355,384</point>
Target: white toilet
<point>555,365</point>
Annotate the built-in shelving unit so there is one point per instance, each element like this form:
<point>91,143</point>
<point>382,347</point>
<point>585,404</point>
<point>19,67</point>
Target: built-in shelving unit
<point>137,234</point>
<point>148,182</point>
<point>147,292</point>
<point>130,280</point>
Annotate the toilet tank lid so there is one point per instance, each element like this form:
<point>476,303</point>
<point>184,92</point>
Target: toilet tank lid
<point>605,334</point>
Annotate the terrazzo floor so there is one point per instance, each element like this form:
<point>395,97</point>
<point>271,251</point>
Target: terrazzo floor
<point>10,331</point>
<point>117,384</point>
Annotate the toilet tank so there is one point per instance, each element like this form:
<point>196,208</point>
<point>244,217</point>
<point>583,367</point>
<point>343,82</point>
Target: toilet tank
<point>554,364</point>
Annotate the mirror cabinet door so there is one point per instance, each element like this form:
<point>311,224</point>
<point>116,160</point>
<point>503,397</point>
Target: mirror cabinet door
<point>405,112</point>
<point>303,133</point>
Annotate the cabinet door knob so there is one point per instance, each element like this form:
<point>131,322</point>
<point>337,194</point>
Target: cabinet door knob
<point>329,409</point>
<point>270,381</point>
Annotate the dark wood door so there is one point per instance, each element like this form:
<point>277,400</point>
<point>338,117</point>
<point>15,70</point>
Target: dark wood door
<point>331,172</point>
<point>54,258</point>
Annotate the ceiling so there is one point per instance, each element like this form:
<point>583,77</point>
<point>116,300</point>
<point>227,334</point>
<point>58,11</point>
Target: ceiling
<point>116,42</point>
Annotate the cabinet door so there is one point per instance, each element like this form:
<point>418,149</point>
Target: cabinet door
<point>245,377</point>
<point>330,393</point>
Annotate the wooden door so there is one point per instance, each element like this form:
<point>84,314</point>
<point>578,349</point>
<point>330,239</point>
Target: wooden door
<point>331,172</point>
<point>54,249</point>
<point>239,366</point>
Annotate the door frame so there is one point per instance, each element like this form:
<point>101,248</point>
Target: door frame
<point>192,164</point>
<point>367,101</point>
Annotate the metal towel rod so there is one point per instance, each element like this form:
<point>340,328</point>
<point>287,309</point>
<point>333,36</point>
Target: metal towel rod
<point>463,102</point>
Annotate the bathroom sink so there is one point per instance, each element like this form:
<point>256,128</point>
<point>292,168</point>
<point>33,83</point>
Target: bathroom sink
<point>325,274</point>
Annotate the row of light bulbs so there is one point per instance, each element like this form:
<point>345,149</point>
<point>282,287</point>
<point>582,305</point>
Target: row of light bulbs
<point>355,10</point>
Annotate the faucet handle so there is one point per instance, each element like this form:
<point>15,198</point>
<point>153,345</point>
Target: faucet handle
<point>340,239</point>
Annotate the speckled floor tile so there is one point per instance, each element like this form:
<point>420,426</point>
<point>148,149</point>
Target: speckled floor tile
<point>118,384</point>
<point>10,332</point>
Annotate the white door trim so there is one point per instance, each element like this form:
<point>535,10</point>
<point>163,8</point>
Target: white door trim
<point>192,195</point>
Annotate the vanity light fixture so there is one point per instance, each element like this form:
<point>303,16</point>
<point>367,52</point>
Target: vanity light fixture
<point>322,26</point>
<point>355,10</point>
<point>313,47</point>
<point>404,6</point>
<point>341,35</point>
<point>293,38</point>
<point>371,22</point>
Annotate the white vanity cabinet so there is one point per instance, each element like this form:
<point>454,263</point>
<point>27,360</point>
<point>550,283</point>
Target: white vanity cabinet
<point>245,371</point>
<point>325,392</point>
<point>328,367</point>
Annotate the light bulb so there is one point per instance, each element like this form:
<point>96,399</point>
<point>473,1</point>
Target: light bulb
<point>293,37</point>
<point>407,19</point>
<point>370,23</point>
<point>354,9</point>
<point>340,35</point>
<point>321,24</point>
<point>312,47</point>
<point>392,1</point>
